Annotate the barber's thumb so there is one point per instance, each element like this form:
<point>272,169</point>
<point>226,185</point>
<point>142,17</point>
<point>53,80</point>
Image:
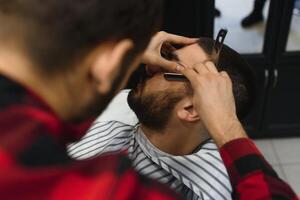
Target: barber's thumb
<point>170,66</point>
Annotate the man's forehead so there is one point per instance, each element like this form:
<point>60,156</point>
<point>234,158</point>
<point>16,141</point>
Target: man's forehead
<point>191,55</point>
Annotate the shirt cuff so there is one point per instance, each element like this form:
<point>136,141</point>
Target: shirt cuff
<point>236,149</point>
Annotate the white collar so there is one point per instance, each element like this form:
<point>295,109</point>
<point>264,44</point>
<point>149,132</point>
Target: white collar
<point>203,171</point>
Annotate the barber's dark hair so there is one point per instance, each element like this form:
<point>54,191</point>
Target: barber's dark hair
<point>240,72</point>
<point>58,33</point>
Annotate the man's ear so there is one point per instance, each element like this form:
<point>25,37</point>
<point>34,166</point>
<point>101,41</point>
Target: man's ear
<point>186,110</point>
<point>107,63</point>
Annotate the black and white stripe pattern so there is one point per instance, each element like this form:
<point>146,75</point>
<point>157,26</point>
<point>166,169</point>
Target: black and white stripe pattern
<point>102,138</point>
<point>201,175</point>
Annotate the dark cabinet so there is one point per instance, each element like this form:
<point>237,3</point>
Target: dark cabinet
<point>253,122</point>
<point>283,105</point>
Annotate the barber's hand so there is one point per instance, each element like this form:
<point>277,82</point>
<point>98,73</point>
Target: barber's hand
<point>213,99</point>
<point>152,55</point>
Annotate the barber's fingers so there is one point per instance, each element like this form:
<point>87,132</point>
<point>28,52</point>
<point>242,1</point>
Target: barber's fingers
<point>225,75</point>
<point>206,67</point>
<point>191,75</point>
<point>211,67</point>
<point>176,39</point>
<point>167,65</point>
<point>201,68</point>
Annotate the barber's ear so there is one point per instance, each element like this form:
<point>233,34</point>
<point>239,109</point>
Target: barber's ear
<point>107,63</point>
<point>186,110</point>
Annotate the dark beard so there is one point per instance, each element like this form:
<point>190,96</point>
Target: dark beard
<point>98,105</point>
<point>101,101</point>
<point>153,110</point>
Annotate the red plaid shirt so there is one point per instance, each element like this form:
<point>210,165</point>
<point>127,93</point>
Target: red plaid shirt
<point>251,175</point>
<point>34,163</point>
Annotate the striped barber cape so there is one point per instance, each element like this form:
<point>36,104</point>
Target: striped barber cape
<point>200,175</point>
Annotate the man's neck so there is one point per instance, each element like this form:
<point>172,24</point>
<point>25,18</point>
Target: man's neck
<point>14,65</point>
<point>177,139</point>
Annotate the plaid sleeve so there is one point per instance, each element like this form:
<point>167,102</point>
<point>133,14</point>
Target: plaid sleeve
<point>112,178</point>
<point>251,175</point>
<point>108,177</point>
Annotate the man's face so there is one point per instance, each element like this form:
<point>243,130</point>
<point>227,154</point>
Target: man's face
<point>91,101</point>
<point>154,98</point>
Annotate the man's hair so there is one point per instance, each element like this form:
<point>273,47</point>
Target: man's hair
<point>241,74</point>
<point>58,33</point>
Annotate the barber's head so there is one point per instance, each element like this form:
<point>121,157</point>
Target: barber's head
<point>155,100</point>
<point>92,45</point>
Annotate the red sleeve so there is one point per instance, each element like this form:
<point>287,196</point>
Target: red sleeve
<point>251,176</point>
<point>121,183</point>
<point>107,177</point>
